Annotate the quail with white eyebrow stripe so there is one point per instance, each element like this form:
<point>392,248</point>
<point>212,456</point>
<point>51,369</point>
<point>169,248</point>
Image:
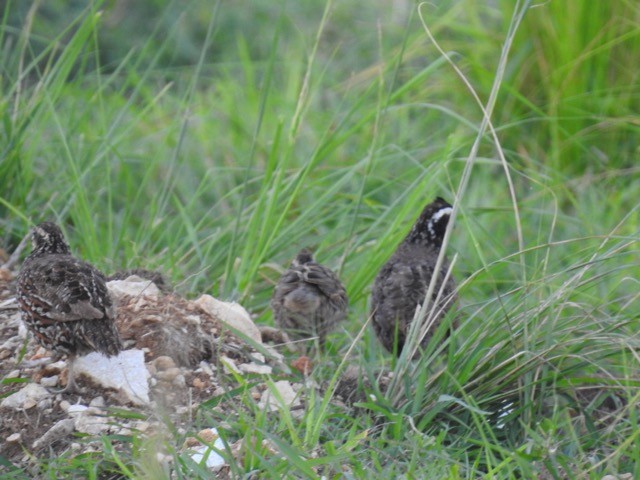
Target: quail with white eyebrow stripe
<point>309,299</point>
<point>64,301</point>
<point>402,283</point>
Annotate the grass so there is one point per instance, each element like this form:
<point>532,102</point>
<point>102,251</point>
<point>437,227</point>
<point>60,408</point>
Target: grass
<point>331,128</point>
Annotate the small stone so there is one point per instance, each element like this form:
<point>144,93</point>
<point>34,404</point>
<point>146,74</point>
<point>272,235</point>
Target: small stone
<point>14,437</point>
<point>208,435</point>
<point>255,368</point>
<point>232,314</point>
<point>206,368</point>
<point>77,409</point>
<point>132,287</point>
<point>49,381</point>
<point>13,374</point>
<point>54,368</point>
<point>286,393</point>
<point>26,398</point>
<point>91,424</point>
<point>229,365</point>
<point>4,354</point>
<point>59,430</point>
<point>164,362</point>
<point>169,374</point>
<point>199,384</point>
<point>64,406</point>
<point>179,381</point>
<point>45,403</point>
<point>97,402</point>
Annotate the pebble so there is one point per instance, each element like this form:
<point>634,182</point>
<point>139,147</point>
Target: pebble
<point>13,374</point>
<point>14,437</point>
<point>54,368</point>
<point>5,354</point>
<point>97,402</point>
<point>49,381</point>
<point>199,384</point>
<point>27,397</point>
<point>179,381</point>
<point>76,409</point>
<point>169,374</point>
<point>164,362</point>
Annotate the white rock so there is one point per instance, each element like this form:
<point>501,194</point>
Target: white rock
<point>91,425</point>
<point>286,393</point>
<point>49,381</point>
<point>97,402</point>
<point>255,368</point>
<point>13,374</point>
<point>133,286</point>
<point>59,430</point>
<point>27,397</point>
<point>232,314</point>
<point>229,365</point>
<point>126,372</point>
<point>77,409</point>
<point>213,459</point>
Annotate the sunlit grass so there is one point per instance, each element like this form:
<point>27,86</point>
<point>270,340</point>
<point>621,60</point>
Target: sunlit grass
<point>219,171</point>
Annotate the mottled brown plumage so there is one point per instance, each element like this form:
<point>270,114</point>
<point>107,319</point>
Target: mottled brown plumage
<point>64,301</point>
<point>309,299</point>
<point>402,283</point>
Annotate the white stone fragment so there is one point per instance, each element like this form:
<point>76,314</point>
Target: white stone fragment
<point>77,409</point>
<point>229,365</point>
<point>27,397</point>
<point>126,372</point>
<point>91,424</point>
<point>213,459</point>
<point>286,393</point>
<point>255,368</point>
<point>59,430</point>
<point>14,437</point>
<point>49,381</point>
<point>133,287</point>
<point>13,374</point>
<point>232,314</point>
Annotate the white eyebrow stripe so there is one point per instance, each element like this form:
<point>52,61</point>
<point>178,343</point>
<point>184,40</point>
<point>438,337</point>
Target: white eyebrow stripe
<point>441,213</point>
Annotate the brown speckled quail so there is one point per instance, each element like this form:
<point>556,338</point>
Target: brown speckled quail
<point>64,301</point>
<point>402,283</point>
<point>309,299</point>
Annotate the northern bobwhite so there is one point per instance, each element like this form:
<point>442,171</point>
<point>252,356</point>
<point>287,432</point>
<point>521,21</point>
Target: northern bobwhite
<point>64,301</point>
<point>401,284</point>
<point>309,299</point>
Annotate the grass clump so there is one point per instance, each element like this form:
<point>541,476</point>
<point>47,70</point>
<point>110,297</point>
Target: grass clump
<point>215,154</point>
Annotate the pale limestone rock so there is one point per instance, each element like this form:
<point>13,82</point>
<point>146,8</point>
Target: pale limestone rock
<point>232,314</point>
<point>286,393</point>
<point>255,368</point>
<point>25,398</point>
<point>126,372</point>
<point>213,460</point>
<point>133,287</point>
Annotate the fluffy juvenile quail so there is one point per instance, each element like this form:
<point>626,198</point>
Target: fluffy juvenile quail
<point>64,301</point>
<point>401,284</point>
<point>309,299</point>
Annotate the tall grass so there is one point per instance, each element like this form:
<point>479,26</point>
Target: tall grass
<point>331,128</point>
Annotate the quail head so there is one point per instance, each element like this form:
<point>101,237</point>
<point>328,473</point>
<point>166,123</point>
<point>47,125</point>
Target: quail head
<point>64,301</point>
<point>309,300</point>
<point>402,283</point>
